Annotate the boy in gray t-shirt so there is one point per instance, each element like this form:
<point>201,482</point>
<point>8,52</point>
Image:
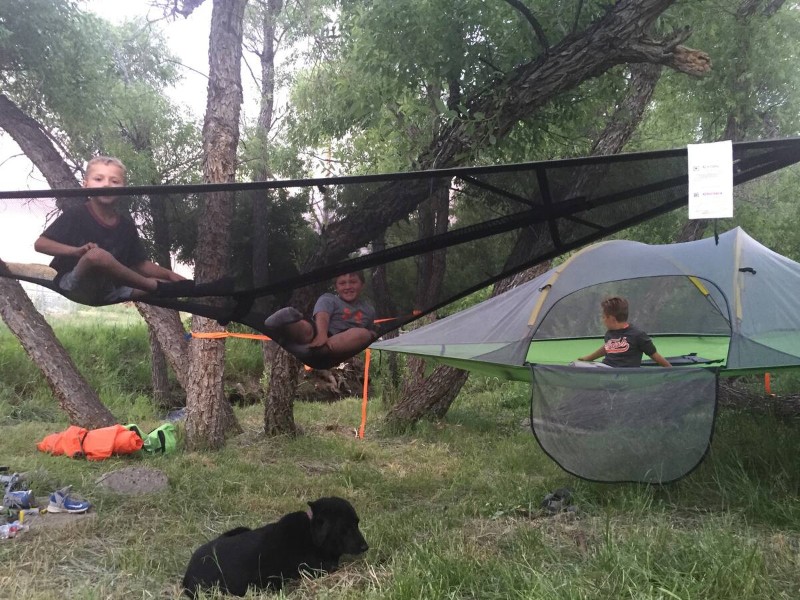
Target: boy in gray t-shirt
<point>342,325</point>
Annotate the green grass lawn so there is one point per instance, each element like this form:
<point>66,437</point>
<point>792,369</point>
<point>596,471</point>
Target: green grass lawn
<point>450,509</point>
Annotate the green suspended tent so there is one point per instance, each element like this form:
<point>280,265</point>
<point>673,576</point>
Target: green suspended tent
<point>730,304</point>
<point>711,306</point>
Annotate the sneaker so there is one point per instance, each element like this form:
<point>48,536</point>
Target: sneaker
<point>18,500</point>
<point>559,500</point>
<point>60,501</point>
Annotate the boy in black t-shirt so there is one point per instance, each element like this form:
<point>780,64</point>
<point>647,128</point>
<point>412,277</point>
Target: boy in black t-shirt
<point>624,343</point>
<point>99,257</point>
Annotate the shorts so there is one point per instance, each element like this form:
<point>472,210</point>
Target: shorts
<point>95,291</point>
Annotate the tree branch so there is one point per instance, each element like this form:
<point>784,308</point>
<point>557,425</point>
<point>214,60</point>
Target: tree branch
<point>669,53</point>
<point>612,39</point>
<point>37,146</point>
<point>772,7</point>
<point>537,28</point>
<point>577,16</point>
<point>173,8</point>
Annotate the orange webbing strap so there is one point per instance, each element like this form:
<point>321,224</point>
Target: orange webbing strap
<point>365,395</point>
<point>414,313</point>
<point>215,335</point>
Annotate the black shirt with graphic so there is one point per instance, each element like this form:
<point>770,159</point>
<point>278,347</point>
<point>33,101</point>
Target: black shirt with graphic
<point>624,347</point>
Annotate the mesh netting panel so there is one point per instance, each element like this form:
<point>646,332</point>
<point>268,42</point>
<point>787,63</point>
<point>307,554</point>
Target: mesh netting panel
<point>646,425</point>
<point>667,304</point>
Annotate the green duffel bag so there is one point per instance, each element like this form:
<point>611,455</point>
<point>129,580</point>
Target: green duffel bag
<point>163,439</point>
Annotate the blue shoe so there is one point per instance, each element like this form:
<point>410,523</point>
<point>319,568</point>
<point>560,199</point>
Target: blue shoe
<point>18,500</point>
<point>60,501</point>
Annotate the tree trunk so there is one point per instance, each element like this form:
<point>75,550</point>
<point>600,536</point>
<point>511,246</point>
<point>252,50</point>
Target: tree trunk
<point>169,330</point>
<point>35,143</point>
<point>283,368</point>
<point>159,378</point>
<point>279,405</point>
<point>420,394</point>
<point>74,395</point>
<point>261,200</point>
<point>165,328</point>
<point>283,382</point>
<point>208,413</point>
<point>424,394</point>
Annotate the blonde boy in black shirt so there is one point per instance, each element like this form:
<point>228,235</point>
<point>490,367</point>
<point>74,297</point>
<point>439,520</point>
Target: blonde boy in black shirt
<point>99,256</point>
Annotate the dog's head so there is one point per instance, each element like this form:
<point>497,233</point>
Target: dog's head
<point>334,527</point>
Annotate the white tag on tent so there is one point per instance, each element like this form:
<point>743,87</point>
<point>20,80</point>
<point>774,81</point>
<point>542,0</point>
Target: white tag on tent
<point>711,180</point>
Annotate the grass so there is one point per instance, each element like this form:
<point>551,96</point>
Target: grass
<point>450,509</point>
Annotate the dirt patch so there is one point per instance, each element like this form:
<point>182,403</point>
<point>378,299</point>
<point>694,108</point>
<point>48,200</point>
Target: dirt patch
<point>46,520</point>
<point>134,481</point>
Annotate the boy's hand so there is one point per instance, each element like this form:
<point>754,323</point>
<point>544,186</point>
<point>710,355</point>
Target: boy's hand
<point>173,276</point>
<point>319,340</point>
<point>81,250</point>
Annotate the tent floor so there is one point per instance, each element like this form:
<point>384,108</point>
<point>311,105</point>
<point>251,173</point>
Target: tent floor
<point>562,352</point>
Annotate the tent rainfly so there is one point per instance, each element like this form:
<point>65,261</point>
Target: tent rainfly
<point>726,307</point>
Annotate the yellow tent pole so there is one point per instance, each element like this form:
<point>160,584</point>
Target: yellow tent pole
<point>553,278</point>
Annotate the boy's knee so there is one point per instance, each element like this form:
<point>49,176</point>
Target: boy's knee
<point>351,340</point>
<point>97,257</point>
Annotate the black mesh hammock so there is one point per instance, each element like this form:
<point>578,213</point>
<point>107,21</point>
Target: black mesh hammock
<point>502,220</point>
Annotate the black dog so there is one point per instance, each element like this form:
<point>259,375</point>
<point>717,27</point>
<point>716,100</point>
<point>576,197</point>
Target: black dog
<point>300,542</point>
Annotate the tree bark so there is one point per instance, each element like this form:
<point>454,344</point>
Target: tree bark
<point>261,201</point>
<point>159,376</point>
<point>75,397</point>
<point>430,395</point>
<point>279,405</point>
<point>385,306</point>
<point>35,143</point>
<point>167,326</point>
<point>208,413</point>
<point>283,382</point>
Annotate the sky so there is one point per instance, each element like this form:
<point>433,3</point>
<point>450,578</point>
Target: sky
<point>21,221</point>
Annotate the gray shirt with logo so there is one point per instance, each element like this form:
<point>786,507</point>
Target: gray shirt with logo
<point>345,315</point>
